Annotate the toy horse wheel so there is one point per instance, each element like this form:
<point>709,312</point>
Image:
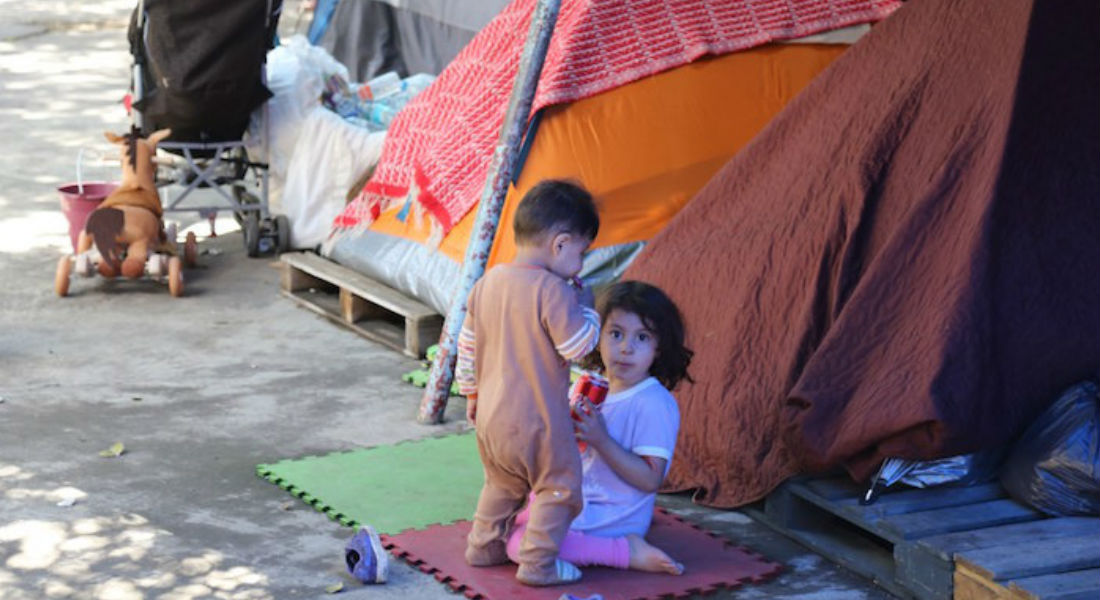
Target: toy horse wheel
<point>61,278</point>
<point>83,265</point>
<point>190,250</point>
<point>175,276</point>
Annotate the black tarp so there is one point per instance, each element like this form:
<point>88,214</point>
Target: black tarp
<point>371,37</point>
<point>203,62</point>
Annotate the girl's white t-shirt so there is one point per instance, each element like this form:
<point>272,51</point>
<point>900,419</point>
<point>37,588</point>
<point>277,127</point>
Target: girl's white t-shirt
<point>644,420</point>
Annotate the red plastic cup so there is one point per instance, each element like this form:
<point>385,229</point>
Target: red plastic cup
<point>593,388</point>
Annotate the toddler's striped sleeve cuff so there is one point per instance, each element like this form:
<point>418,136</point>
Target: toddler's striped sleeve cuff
<point>465,375</point>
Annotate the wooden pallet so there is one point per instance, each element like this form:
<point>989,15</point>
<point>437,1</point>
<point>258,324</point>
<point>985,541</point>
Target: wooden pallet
<point>910,540</point>
<point>1051,567</point>
<point>371,309</point>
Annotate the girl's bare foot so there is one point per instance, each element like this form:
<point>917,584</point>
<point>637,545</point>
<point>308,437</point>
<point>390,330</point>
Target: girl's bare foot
<point>647,557</point>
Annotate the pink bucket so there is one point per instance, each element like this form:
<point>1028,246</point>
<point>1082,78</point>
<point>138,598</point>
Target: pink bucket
<point>77,206</point>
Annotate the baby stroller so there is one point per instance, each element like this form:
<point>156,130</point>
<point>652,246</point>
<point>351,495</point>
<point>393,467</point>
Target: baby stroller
<point>199,70</point>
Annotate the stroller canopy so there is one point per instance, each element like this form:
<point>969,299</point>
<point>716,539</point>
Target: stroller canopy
<point>202,64</point>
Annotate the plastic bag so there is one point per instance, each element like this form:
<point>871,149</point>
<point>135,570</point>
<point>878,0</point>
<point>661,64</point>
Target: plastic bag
<point>296,73</point>
<point>1055,466</point>
<point>967,469</point>
<point>962,470</point>
<point>324,165</point>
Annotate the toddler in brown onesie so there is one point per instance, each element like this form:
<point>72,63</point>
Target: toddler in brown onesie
<point>526,321</point>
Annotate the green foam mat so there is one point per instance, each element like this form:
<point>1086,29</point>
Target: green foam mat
<point>392,488</point>
<point>419,377</point>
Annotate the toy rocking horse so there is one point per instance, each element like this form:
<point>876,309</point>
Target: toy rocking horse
<point>127,228</point>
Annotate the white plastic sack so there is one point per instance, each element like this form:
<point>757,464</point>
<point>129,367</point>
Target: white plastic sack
<point>296,72</point>
<point>326,162</point>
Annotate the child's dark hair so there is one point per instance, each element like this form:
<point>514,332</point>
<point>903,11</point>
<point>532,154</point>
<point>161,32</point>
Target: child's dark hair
<point>555,206</point>
<point>659,315</point>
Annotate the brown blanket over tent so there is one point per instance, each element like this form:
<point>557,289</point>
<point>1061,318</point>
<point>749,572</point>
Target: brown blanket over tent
<point>906,262</point>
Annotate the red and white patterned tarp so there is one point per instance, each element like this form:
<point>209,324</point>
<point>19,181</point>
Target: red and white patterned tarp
<point>444,139</point>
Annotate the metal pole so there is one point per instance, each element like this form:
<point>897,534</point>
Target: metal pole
<point>136,72</point>
<point>543,18</point>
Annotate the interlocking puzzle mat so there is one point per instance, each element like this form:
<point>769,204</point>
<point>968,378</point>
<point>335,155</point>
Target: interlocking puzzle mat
<point>710,563</point>
<point>410,484</point>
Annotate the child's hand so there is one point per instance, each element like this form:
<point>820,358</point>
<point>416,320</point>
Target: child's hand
<point>471,408</point>
<point>590,427</point>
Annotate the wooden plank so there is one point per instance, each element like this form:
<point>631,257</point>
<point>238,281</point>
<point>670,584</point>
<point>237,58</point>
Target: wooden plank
<point>927,565</point>
<point>876,517</point>
<point>840,490</point>
<point>422,333</point>
<point>834,539</point>
<point>358,284</point>
<point>958,518</point>
<point>371,309</point>
<point>385,333</point>
<point>1075,585</point>
<point>971,586</point>
<point>1058,555</point>
<point>836,488</point>
<point>785,509</point>
<point>323,303</point>
<point>927,577</point>
<point>916,500</point>
<point>354,309</point>
<point>294,280</point>
<point>947,545</point>
<point>842,497</point>
<point>887,540</point>
<point>376,330</point>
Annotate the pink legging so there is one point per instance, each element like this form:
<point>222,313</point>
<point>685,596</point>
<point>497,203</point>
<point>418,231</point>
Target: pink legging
<point>578,548</point>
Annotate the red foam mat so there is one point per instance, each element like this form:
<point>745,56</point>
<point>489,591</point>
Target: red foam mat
<point>710,563</point>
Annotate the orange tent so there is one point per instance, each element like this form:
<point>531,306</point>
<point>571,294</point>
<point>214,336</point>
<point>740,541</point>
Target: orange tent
<point>643,150</point>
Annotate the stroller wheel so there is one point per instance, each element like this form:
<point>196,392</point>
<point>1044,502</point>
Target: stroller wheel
<point>190,250</point>
<point>175,276</point>
<point>251,230</point>
<point>61,277</point>
<point>282,233</point>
